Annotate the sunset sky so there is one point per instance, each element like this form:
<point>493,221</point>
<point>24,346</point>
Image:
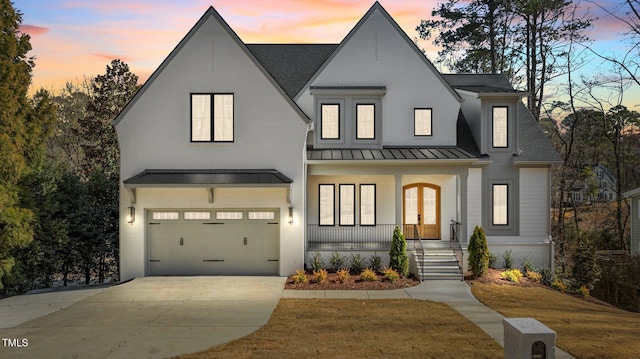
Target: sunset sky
<point>72,39</point>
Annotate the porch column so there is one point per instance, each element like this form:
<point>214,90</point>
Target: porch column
<point>398,200</point>
<point>462,191</point>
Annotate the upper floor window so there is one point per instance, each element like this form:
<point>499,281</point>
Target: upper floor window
<point>365,121</point>
<point>422,122</point>
<point>330,121</point>
<point>212,117</point>
<point>500,127</point>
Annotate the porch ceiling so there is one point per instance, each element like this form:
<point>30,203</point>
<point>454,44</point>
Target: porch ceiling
<point>391,153</point>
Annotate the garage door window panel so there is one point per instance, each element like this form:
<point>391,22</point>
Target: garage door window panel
<point>231,215</point>
<point>197,215</point>
<point>165,216</point>
<point>264,215</point>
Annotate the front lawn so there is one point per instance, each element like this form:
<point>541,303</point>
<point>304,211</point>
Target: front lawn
<point>335,328</point>
<point>584,329</point>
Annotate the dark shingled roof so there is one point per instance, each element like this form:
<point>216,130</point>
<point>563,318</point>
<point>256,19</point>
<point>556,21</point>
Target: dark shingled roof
<point>206,178</point>
<point>291,65</point>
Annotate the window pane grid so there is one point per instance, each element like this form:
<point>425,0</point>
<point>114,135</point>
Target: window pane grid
<point>166,216</point>
<point>223,117</point>
<point>229,215</point>
<point>197,215</point>
<point>261,215</point>
<point>200,118</point>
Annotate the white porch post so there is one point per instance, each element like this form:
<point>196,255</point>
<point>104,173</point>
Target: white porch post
<point>462,192</point>
<point>398,200</point>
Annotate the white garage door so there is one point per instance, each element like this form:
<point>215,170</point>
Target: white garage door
<point>213,242</point>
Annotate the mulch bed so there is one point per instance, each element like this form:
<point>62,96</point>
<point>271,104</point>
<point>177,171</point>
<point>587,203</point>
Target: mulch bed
<point>353,283</point>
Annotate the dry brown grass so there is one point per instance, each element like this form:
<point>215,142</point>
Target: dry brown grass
<point>394,328</point>
<point>584,329</point>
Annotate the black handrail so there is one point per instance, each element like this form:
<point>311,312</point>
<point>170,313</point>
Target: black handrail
<point>418,240</point>
<point>454,238</point>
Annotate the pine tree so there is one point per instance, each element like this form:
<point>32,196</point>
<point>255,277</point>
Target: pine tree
<point>478,253</point>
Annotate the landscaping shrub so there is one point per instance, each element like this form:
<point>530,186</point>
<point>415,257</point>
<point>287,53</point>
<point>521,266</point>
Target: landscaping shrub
<point>583,291</point>
<point>336,262</point>
<point>493,260</point>
<point>357,263</point>
<point>398,258</point>
<point>321,275</point>
<point>513,275</point>
<point>478,253</point>
<point>368,275</point>
<point>507,258</point>
<point>546,276</point>
<point>390,274</point>
<point>316,262</point>
<point>375,263</point>
<point>585,269</point>
<point>527,265</point>
<point>343,275</point>
<point>300,277</point>
<point>558,285</point>
<point>534,276</point>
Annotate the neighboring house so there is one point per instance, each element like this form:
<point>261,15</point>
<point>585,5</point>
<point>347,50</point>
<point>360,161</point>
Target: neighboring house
<point>634,213</point>
<point>600,185</point>
<point>246,159</point>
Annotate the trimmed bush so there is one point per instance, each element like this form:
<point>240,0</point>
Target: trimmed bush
<point>507,258</point>
<point>398,258</point>
<point>375,263</point>
<point>321,275</point>
<point>478,253</point>
<point>547,276</point>
<point>316,262</point>
<point>390,274</point>
<point>357,263</point>
<point>513,275</point>
<point>336,262</point>
<point>343,275</point>
<point>368,275</point>
<point>300,277</point>
<point>493,260</point>
<point>534,276</point>
<point>527,265</point>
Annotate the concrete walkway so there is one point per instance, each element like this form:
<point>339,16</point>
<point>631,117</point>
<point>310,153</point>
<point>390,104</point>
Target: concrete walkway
<point>455,293</point>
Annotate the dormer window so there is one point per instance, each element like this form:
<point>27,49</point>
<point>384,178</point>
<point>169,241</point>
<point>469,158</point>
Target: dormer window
<point>365,121</point>
<point>500,127</point>
<point>330,121</point>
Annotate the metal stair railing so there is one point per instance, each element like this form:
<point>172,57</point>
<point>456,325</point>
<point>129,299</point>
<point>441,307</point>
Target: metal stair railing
<point>456,246</point>
<point>417,243</point>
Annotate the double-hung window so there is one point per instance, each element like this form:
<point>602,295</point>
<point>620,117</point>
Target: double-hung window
<point>211,117</point>
<point>500,127</point>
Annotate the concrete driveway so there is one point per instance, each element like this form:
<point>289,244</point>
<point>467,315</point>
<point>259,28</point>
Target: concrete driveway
<point>151,317</point>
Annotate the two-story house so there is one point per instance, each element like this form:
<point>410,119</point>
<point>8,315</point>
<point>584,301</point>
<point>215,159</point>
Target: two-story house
<point>246,159</point>
<point>598,185</point>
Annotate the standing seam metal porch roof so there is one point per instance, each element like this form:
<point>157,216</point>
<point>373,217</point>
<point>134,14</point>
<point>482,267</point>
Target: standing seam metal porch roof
<point>208,178</point>
<point>391,153</point>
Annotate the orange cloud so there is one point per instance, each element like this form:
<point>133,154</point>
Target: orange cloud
<point>33,30</point>
<point>109,57</point>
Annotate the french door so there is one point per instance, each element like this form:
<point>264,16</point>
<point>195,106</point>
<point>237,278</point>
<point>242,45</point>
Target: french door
<point>422,208</point>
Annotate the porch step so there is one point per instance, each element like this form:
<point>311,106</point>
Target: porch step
<point>437,264</point>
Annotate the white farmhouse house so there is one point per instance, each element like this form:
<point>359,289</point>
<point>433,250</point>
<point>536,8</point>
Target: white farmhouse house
<point>240,159</point>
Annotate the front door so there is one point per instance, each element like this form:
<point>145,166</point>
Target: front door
<point>422,208</point>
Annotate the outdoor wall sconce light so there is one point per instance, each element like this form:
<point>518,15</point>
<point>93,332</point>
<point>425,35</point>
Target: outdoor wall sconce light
<point>132,215</point>
<point>290,214</point>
